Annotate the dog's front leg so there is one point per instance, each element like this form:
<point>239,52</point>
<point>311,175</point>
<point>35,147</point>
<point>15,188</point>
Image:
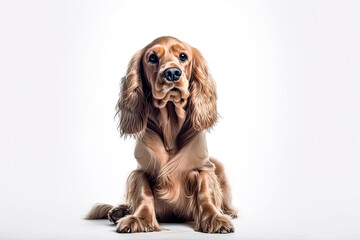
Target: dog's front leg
<point>140,197</point>
<point>208,217</point>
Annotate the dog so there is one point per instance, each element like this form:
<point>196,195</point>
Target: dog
<point>167,102</point>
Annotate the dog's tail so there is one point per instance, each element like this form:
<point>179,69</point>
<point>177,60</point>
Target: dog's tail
<point>99,211</point>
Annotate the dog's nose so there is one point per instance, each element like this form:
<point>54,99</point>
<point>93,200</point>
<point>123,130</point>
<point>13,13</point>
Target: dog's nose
<point>172,74</point>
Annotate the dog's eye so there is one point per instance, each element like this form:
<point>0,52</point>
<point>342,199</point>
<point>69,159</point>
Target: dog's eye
<point>183,57</point>
<point>153,58</point>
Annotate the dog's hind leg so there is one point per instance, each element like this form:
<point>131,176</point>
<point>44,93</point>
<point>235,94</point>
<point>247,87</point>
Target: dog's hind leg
<point>226,205</point>
<point>119,211</point>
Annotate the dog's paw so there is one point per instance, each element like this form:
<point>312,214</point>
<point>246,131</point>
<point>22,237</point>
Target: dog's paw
<point>131,224</point>
<point>118,212</point>
<point>215,224</point>
<point>232,213</point>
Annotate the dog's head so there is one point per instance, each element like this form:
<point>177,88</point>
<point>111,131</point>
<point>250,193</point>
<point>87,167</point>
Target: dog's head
<point>167,70</point>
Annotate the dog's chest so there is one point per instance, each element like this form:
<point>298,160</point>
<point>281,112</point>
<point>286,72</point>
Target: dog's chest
<point>172,199</point>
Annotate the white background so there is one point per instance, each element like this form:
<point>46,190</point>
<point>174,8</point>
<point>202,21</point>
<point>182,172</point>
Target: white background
<point>288,81</point>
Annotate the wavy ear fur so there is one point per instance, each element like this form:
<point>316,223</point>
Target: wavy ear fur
<point>132,105</point>
<point>202,94</point>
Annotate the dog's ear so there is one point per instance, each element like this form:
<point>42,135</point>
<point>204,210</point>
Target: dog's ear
<point>203,111</point>
<point>132,104</point>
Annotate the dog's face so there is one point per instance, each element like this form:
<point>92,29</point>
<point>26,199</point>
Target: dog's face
<point>167,66</point>
<point>167,70</point>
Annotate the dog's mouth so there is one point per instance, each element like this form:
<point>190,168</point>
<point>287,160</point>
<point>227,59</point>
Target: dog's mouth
<point>176,95</point>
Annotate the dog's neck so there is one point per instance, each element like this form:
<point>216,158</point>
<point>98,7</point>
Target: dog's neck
<point>167,122</point>
<point>170,119</point>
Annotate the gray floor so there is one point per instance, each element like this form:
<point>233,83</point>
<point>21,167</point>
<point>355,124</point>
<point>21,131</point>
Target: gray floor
<point>102,229</point>
<point>42,228</point>
<point>67,224</point>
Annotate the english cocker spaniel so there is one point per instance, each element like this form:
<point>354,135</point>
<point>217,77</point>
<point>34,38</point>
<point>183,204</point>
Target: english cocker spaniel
<point>167,101</point>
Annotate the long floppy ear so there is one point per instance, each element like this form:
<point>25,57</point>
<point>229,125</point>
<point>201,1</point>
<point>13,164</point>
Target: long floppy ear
<point>132,105</point>
<point>202,94</point>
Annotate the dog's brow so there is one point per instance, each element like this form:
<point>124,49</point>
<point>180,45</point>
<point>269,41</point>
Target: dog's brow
<point>158,49</point>
<point>177,48</point>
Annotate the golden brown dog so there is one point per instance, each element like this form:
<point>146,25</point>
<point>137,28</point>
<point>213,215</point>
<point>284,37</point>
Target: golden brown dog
<point>167,101</point>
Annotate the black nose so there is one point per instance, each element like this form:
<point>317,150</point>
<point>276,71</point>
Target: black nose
<point>172,74</point>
